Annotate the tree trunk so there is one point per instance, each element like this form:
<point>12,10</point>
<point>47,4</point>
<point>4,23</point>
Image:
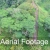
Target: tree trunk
<point>36,21</point>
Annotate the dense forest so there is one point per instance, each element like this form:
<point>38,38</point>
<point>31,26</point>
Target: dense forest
<point>28,19</point>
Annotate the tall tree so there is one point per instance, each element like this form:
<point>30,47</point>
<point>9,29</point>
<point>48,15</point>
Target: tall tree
<point>36,20</point>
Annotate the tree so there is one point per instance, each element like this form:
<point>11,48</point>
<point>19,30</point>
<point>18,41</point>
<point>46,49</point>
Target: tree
<point>9,3</point>
<point>47,24</point>
<point>18,21</point>
<point>29,8</point>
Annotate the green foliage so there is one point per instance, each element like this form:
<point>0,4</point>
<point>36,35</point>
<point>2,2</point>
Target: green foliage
<point>47,23</point>
<point>2,4</point>
<point>9,3</point>
<point>17,35</point>
<point>6,22</point>
<point>17,19</point>
<point>42,15</point>
<point>3,13</point>
<point>28,7</point>
<point>44,3</point>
